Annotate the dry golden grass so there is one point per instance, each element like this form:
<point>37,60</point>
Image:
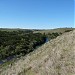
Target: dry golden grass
<point>58,30</point>
<point>56,57</point>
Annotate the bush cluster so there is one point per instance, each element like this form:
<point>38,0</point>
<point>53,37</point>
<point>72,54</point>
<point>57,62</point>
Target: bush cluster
<point>19,42</point>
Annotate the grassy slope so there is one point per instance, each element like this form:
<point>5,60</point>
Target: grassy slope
<point>59,30</point>
<point>56,57</point>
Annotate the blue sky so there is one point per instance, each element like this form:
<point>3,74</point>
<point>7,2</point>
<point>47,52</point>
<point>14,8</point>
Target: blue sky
<point>36,14</point>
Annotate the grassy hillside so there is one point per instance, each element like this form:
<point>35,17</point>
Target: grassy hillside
<point>56,57</point>
<point>58,30</point>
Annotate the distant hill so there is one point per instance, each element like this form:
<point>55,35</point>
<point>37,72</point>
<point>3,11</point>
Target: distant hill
<point>9,29</point>
<point>58,30</point>
<point>38,30</point>
<point>56,57</point>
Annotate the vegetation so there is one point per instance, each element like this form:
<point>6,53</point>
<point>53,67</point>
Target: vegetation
<point>68,30</point>
<point>52,35</point>
<point>50,56</point>
<point>19,42</point>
